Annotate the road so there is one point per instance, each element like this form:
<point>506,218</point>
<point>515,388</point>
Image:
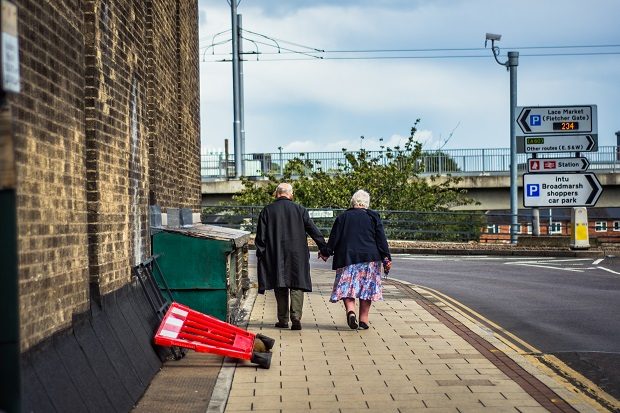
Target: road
<point>567,307</point>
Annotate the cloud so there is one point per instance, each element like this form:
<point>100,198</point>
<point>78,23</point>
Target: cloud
<point>428,140</point>
<point>328,104</point>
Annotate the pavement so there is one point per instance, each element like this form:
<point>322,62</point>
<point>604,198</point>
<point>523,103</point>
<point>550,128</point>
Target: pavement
<point>422,353</point>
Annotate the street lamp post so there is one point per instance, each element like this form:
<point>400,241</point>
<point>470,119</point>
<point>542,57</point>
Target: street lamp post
<point>511,65</point>
<point>241,98</point>
<point>236,96</point>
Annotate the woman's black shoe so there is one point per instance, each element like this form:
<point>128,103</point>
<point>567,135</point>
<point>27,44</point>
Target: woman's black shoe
<point>363,326</point>
<point>352,320</point>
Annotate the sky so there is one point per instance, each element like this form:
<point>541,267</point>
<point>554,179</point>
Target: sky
<point>353,99</point>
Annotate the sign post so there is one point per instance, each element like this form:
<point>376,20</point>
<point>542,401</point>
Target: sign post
<point>558,182</point>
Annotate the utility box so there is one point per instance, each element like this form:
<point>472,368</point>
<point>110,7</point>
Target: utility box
<point>204,266</point>
<point>580,239</point>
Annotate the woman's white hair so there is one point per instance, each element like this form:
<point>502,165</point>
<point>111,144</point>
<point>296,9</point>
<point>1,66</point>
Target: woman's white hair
<point>360,199</point>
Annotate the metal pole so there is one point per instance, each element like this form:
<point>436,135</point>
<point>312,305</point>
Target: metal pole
<point>513,62</point>
<point>226,156</point>
<point>281,163</point>
<point>550,221</point>
<point>10,382</point>
<point>241,98</point>
<point>236,110</point>
<point>536,222</point>
<point>535,213</point>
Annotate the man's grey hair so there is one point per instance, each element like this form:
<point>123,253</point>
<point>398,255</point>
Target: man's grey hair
<point>360,199</point>
<point>284,189</point>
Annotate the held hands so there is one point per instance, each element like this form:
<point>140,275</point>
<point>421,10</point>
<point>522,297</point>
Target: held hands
<point>323,257</point>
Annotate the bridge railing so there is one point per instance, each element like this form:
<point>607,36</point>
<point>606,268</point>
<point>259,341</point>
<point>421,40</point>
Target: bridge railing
<point>493,161</point>
<point>478,226</point>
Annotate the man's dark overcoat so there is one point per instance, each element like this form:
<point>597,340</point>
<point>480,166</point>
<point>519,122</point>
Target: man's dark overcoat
<point>282,246</point>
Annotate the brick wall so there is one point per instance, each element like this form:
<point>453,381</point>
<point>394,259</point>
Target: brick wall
<point>173,102</point>
<point>107,117</point>
<point>48,121</point>
<point>189,105</point>
<point>117,149</point>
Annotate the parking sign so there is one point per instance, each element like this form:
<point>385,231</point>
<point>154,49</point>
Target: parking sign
<point>533,190</point>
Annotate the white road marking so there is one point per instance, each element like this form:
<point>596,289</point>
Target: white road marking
<point>540,262</point>
<point>525,264</point>
<point>608,270</point>
<point>462,257</point>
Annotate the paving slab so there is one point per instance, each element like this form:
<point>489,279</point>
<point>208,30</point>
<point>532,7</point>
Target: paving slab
<point>419,355</point>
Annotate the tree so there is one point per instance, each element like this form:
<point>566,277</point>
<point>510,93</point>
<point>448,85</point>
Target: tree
<point>393,185</point>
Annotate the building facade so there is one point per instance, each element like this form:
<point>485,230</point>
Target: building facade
<point>106,123</point>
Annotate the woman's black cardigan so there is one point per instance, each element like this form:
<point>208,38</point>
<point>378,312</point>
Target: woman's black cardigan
<point>357,236</point>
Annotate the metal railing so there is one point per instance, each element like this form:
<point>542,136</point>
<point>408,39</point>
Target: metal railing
<point>494,161</point>
<point>411,225</point>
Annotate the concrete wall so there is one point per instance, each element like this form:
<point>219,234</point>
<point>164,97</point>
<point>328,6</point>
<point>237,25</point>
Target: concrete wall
<point>491,191</point>
<point>106,120</point>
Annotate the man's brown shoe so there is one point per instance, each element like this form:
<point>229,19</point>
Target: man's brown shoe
<point>296,325</point>
<point>281,325</point>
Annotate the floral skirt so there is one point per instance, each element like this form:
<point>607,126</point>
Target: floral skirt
<point>361,281</point>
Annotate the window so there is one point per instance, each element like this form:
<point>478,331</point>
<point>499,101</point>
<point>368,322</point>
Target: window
<point>616,226</point>
<point>555,228</point>
<point>493,229</point>
<point>600,226</point>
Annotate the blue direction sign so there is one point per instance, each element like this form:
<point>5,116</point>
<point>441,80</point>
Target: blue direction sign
<point>557,120</point>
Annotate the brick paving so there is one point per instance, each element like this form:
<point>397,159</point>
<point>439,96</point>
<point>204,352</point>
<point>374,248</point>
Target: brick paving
<point>417,356</point>
<point>414,358</point>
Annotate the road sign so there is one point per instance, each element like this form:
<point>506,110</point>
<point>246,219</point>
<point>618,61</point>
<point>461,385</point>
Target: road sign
<point>554,143</point>
<point>560,120</point>
<point>546,165</point>
<point>9,48</point>
<point>561,190</point>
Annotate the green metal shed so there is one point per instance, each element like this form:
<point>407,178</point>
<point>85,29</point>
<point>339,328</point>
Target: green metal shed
<point>205,267</point>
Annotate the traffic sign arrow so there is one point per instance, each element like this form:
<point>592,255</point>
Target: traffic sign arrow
<point>523,121</point>
<point>597,189</point>
<point>561,190</point>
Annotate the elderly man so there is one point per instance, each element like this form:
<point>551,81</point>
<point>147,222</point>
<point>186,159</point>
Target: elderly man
<point>283,256</point>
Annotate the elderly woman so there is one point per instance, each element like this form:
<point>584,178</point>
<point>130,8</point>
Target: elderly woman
<point>359,247</point>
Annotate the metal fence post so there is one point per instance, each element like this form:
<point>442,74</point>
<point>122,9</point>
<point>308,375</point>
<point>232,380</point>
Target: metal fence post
<point>281,162</point>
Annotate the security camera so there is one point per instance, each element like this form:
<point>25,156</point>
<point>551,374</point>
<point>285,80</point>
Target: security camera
<point>493,37</point>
